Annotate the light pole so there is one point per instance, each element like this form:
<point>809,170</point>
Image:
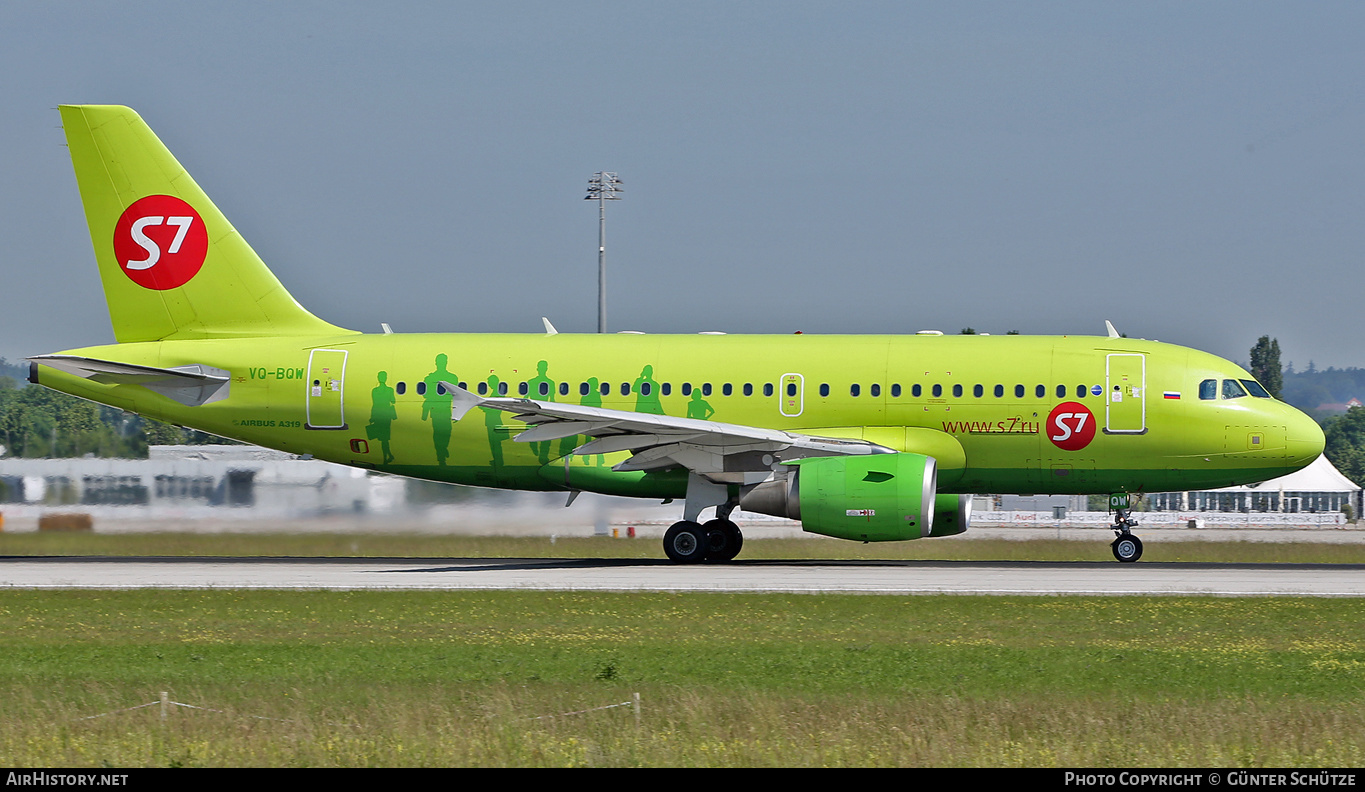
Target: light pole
<point>602,187</point>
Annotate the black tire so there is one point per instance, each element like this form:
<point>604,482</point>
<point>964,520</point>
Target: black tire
<point>685,543</point>
<point>1127,548</point>
<point>723,540</point>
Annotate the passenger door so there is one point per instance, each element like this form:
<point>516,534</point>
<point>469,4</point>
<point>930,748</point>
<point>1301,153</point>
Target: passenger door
<point>1125,393</point>
<point>325,403</point>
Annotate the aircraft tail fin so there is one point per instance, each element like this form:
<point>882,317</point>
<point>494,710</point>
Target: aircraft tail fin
<point>171,264</point>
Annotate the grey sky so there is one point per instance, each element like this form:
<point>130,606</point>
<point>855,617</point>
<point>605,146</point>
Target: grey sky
<point>1192,171</point>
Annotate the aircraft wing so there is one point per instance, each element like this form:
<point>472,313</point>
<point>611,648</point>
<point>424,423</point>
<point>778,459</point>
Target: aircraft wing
<point>707,448</point>
<point>192,386</point>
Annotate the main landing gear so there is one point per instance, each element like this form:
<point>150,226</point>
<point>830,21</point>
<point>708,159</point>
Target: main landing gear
<point>691,542</point>
<point>687,542</point>
<point>1127,547</point>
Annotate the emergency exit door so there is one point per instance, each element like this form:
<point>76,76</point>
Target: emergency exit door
<point>791,399</point>
<point>325,403</point>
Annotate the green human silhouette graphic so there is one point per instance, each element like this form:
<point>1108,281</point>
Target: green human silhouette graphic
<point>383,413</point>
<point>436,408</point>
<point>593,398</point>
<point>492,420</point>
<point>699,409</point>
<point>647,393</point>
<point>542,388</point>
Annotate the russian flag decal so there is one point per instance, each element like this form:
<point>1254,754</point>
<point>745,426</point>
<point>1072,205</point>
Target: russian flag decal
<point>1171,394</point>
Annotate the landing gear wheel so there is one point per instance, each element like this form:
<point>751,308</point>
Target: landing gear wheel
<point>1127,548</point>
<point>685,543</point>
<point>723,540</point>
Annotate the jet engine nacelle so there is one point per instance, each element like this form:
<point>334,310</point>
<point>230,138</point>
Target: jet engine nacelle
<point>872,498</point>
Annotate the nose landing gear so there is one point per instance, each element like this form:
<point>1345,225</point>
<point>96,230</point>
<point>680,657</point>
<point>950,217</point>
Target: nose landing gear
<point>1127,548</point>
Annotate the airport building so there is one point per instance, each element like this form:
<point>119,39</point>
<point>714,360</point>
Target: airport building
<point>1318,488</point>
<point>230,485</point>
<point>190,480</point>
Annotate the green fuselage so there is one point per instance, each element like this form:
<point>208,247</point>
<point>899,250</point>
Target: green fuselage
<point>372,401</point>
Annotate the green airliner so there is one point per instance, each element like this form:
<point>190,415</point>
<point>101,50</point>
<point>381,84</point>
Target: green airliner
<point>869,438</point>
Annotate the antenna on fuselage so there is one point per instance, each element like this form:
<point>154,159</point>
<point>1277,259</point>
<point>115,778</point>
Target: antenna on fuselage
<point>1109,326</point>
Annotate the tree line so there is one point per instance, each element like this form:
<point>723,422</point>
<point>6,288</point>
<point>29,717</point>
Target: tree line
<point>1345,433</point>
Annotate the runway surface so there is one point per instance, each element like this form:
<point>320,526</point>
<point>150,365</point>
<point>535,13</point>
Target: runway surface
<point>871,577</point>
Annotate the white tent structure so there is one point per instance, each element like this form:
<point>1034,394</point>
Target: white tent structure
<point>1320,487</point>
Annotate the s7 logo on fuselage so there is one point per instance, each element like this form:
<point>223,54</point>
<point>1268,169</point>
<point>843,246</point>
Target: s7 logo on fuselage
<point>160,242</point>
<point>1070,426</point>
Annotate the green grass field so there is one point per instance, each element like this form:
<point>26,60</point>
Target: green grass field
<point>466,678</point>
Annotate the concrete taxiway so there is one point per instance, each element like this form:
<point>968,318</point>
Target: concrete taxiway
<point>869,577</point>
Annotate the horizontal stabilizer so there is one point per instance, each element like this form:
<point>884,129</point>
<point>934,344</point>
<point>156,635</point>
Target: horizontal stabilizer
<point>191,386</point>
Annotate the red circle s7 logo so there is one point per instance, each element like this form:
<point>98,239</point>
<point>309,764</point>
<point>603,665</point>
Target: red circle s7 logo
<point>160,242</point>
<point>1070,426</point>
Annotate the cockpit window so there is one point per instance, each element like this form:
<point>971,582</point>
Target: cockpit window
<point>1256,390</point>
<point>1233,390</point>
<point>1208,389</point>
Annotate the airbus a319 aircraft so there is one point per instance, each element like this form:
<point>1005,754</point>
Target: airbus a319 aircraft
<point>868,438</point>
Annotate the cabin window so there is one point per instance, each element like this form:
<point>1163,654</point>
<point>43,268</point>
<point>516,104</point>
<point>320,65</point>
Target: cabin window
<point>521,388</point>
<point>938,391</point>
<point>440,389</point>
<point>605,389</point>
<point>706,389</point>
<point>824,389</point>
<point>563,389</point>
<point>422,388</point>
<point>483,388</point>
<point>1256,390</point>
<point>791,388</point>
<point>999,391</point>
<point>462,385</point>
<point>687,389</point>
<point>957,391</point>
<point>625,389</point>
<point>895,391</point>
<point>748,389</point>
<point>916,390</point>
<point>502,389</point>
<point>854,390</point>
<point>767,389</point>
<point>978,391</point>
<point>875,390</point>
<point>1061,391</point>
<point>1208,389</point>
<point>645,388</point>
<point>544,389</point>
<point>582,389</point>
<point>726,389</point>
<point>666,389</point>
<point>1080,391</point>
<point>401,388</point>
<point>1018,391</point>
<point>1040,391</point>
<point>1233,390</point>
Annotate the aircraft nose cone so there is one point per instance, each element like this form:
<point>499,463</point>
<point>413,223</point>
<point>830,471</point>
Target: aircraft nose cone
<point>1304,439</point>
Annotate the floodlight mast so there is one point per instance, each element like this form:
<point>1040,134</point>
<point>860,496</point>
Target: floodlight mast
<point>602,187</point>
